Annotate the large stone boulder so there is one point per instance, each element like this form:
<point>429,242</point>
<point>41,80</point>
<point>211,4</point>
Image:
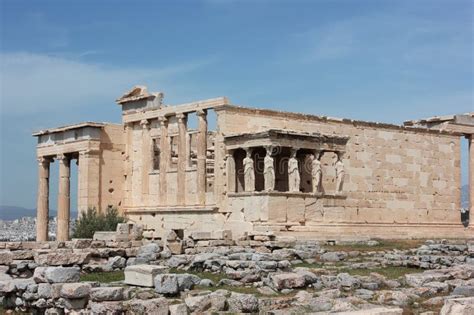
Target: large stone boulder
<point>143,275</point>
<point>288,280</point>
<point>166,284</point>
<point>465,290</point>
<point>460,306</point>
<point>106,294</point>
<point>242,303</point>
<point>206,303</point>
<point>158,306</point>
<point>75,290</point>
<point>171,284</point>
<point>419,279</point>
<point>62,274</point>
<point>333,256</point>
<point>6,257</point>
<point>148,252</point>
<point>108,307</point>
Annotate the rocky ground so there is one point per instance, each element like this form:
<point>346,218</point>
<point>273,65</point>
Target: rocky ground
<point>24,229</point>
<point>259,274</point>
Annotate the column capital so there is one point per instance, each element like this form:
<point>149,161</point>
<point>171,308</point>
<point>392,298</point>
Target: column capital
<point>163,120</point>
<point>145,124</point>
<point>201,112</point>
<point>61,157</point>
<point>181,116</point>
<point>43,160</point>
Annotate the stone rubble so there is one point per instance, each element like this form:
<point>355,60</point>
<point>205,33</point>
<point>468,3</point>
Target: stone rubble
<point>273,274</point>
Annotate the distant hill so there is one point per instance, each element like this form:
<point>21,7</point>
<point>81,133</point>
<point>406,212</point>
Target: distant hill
<point>9,213</point>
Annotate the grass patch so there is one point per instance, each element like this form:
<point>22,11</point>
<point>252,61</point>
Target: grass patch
<point>383,245</point>
<point>389,272</point>
<point>103,277</point>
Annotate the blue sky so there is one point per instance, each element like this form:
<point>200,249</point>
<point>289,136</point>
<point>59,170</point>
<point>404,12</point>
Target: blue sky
<point>67,61</point>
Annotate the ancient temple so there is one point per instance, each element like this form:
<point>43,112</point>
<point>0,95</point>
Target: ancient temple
<point>210,165</point>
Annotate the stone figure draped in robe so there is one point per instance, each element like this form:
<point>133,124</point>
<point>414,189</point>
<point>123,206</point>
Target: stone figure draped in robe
<point>249,173</point>
<point>293,173</point>
<point>317,173</point>
<point>339,174</point>
<point>269,171</point>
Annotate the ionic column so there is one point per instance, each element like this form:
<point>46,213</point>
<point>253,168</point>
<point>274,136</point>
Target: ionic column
<point>201,156</point>
<point>230,171</point>
<point>164,159</point>
<point>63,198</point>
<point>471,175</point>
<point>42,206</point>
<point>182,158</point>
<point>146,160</point>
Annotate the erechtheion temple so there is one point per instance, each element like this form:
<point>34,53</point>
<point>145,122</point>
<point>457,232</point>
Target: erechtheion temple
<point>245,169</point>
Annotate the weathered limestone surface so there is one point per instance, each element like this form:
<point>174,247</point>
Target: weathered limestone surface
<point>143,275</point>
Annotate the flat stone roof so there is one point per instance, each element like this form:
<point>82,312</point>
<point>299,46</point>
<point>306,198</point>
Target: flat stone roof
<point>439,119</point>
<point>70,127</point>
<point>303,116</point>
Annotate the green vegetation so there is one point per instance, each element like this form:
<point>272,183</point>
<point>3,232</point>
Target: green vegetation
<point>382,245</point>
<point>92,221</point>
<point>389,272</point>
<point>103,277</point>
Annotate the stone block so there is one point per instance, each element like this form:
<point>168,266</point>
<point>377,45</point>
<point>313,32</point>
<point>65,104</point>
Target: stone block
<point>109,307</point>
<point>62,274</point>
<point>81,243</point>
<point>106,294</point>
<point>197,236</point>
<point>75,290</point>
<point>178,309</point>
<point>143,275</point>
<point>460,306</point>
<point>158,306</point>
<point>6,257</point>
<point>166,284</point>
<point>287,281</point>
<point>105,236</point>
<point>175,247</point>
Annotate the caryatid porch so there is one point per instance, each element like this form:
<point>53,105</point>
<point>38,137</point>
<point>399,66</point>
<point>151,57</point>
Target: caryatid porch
<point>282,161</point>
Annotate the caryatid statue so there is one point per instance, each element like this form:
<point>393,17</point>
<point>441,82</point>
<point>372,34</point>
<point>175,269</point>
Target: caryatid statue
<point>269,170</point>
<point>316,172</point>
<point>249,172</point>
<point>339,172</point>
<point>293,173</point>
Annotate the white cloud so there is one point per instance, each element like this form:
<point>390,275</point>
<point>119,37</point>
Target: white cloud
<point>387,38</point>
<point>32,83</point>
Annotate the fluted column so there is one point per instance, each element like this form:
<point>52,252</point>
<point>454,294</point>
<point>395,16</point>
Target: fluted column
<point>201,156</point>
<point>146,160</point>
<point>42,206</point>
<point>164,159</point>
<point>182,158</point>
<point>63,198</point>
<point>471,174</point>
